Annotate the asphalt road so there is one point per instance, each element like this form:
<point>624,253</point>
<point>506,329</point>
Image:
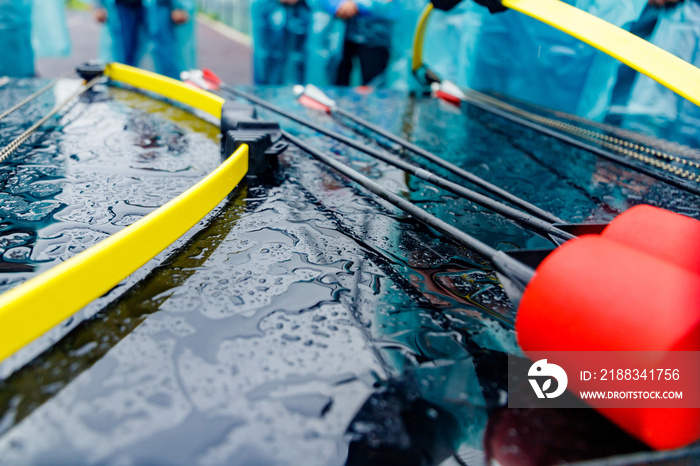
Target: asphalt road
<point>219,48</point>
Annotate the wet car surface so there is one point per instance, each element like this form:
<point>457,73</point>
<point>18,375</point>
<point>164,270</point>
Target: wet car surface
<point>304,321</point>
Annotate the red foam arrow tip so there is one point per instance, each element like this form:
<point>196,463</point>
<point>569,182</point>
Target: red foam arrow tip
<point>212,78</point>
<point>632,288</point>
<point>453,99</point>
<point>314,104</point>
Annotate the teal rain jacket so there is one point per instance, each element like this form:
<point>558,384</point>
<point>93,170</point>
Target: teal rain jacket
<point>16,38</point>
<point>50,36</point>
<point>20,40</point>
<point>372,27</point>
<point>280,35</point>
<point>642,104</point>
<point>165,47</point>
<point>518,56</point>
<point>324,45</point>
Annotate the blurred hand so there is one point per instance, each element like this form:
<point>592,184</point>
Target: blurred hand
<point>347,10</point>
<point>289,2</point>
<point>179,16</point>
<point>101,15</point>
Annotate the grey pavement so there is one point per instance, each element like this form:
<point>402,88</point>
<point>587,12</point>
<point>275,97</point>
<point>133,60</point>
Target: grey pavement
<point>219,48</point>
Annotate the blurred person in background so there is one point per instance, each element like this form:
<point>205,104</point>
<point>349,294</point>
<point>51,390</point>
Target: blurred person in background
<point>16,38</point>
<point>519,57</point>
<point>280,31</point>
<point>30,28</point>
<point>367,40</point>
<point>160,29</point>
<point>640,103</point>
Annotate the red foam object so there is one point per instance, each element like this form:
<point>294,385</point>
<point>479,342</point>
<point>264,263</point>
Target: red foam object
<point>313,104</point>
<point>663,234</point>
<point>212,78</point>
<point>595,294</point>
<point>453,99</point>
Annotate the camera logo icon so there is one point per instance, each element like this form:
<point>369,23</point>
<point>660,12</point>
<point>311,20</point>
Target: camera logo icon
<point>545,372</point>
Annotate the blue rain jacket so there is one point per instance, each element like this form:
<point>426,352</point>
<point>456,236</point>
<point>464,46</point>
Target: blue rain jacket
<point>546,66</point>
<point>324,47</point>
<point>399,74</point>
<point>280,35</point>
<point>642,104</point>
<point>16,38</point>
<point>20,40</point>
<point>518,56</point>
<point>50,36</point>
<point>372,27</point>
<point>374,23</point>
<point>165,47</point>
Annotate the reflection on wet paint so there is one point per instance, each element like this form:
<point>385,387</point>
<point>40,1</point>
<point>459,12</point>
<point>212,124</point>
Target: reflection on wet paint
<point>301,323</point>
